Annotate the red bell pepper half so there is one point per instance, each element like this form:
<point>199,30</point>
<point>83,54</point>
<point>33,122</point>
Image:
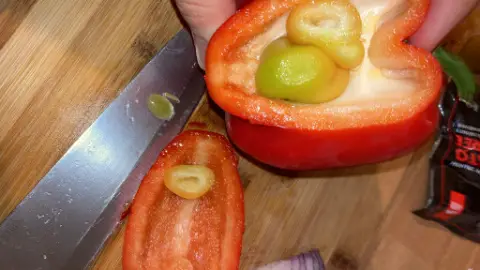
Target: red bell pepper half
<point>165,231</point>
<point>332,134</point>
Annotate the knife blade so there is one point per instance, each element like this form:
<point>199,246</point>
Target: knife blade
<point>65,220</point>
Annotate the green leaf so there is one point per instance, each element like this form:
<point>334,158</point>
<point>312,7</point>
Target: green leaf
<point>461,75</point>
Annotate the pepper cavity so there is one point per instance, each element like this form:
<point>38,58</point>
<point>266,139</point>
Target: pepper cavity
<point>353,34</point>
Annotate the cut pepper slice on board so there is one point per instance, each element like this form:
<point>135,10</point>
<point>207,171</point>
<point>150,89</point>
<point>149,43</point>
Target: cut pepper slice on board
<point>388,108</point>
<point>165,231</point>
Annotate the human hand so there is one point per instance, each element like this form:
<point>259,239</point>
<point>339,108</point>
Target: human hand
<point>204,17</point>
<point>442,17</point>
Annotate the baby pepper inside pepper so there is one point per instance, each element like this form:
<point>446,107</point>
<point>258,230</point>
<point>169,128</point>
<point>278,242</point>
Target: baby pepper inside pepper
<point>312,84</point>
<point>311,64</point>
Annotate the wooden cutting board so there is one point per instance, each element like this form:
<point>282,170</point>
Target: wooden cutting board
<point>63,61</point>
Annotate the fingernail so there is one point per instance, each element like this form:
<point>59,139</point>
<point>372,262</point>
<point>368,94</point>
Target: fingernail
<point>200,50</point>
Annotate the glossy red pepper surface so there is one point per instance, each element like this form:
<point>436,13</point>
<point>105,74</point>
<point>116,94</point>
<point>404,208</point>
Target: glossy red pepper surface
<point>322,135</point>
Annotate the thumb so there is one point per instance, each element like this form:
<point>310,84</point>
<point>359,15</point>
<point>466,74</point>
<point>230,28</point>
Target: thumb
<point>442,17</point>
<point>204,17</point>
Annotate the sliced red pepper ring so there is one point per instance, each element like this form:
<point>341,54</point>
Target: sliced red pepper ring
<point>166,231</point>
<point>388,108</point>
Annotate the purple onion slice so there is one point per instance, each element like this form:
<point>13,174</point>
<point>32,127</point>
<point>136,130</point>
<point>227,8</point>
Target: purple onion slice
<point>305,261</point>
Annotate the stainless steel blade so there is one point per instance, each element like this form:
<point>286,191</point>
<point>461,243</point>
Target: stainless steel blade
<point>66,219</point>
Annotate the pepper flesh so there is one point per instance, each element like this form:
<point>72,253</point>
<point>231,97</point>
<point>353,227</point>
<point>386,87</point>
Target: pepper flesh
<point>331,134</point>
<point>165,231</point>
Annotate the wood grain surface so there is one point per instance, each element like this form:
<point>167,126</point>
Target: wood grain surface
<point>63,61</point>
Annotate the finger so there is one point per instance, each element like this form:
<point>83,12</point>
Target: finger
<point>204,17</point>
<point>442,17</point>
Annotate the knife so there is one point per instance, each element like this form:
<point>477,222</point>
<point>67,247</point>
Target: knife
<point>65,220</point>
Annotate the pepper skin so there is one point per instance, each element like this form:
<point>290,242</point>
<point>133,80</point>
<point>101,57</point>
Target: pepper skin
<point>321,136</point>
